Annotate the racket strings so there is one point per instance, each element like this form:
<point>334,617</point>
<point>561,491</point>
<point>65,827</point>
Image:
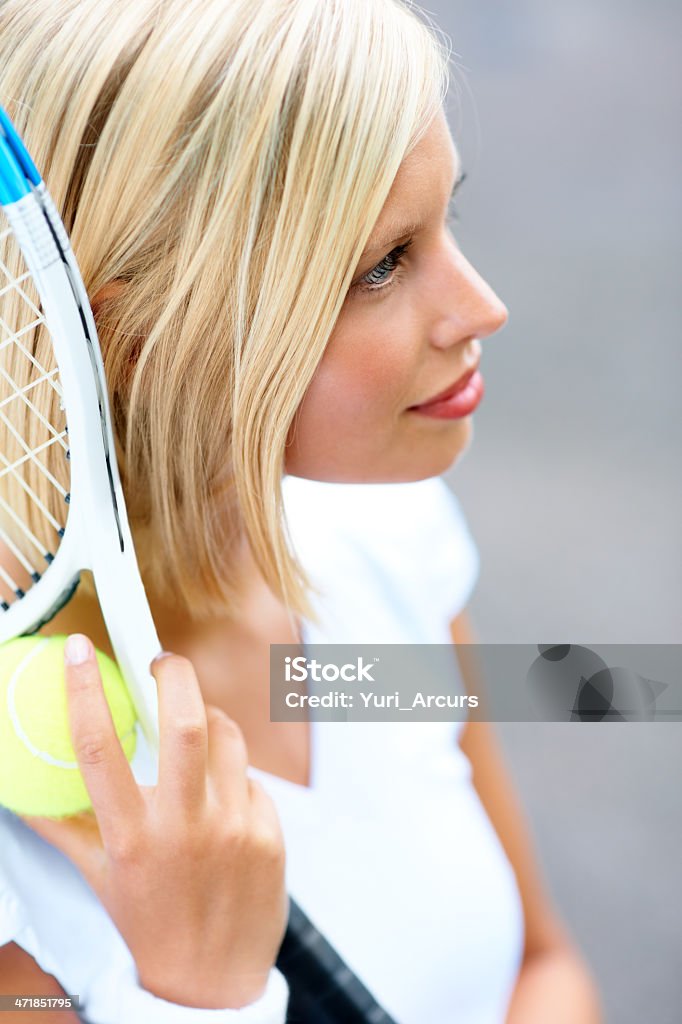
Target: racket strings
<point>34,444</point>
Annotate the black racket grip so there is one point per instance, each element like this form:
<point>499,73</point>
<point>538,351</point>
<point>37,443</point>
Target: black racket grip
<point>322,988</point>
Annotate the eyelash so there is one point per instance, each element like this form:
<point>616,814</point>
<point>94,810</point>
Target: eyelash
<point>394,260</point>
<point>390,264</point>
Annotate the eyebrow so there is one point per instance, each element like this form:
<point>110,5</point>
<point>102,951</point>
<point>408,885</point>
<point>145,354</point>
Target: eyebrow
<point>394,232</point>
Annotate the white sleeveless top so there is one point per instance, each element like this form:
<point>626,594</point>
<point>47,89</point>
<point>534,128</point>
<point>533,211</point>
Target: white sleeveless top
<point>390,851</point>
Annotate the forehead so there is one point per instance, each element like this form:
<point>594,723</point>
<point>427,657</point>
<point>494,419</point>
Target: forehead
<point>423,183</point>
<point>432,162</point>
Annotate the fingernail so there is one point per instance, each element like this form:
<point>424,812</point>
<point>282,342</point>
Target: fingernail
<point>76,649</point>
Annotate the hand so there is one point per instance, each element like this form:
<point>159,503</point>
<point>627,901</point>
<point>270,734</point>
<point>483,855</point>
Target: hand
<point>191,871</point>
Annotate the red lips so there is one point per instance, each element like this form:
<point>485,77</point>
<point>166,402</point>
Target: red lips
<point>452,390</point>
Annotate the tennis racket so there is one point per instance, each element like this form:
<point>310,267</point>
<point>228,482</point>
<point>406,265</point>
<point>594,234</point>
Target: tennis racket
<point>61,502</point>
<point>62,509</point>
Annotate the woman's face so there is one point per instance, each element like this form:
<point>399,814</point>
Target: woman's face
<point>410,328</point>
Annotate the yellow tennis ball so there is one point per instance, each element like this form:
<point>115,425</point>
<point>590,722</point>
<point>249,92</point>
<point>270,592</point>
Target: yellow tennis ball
<point>39,773</point>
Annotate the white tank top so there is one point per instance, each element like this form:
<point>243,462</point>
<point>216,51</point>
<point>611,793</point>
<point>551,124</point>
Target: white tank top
<point>390,851</point>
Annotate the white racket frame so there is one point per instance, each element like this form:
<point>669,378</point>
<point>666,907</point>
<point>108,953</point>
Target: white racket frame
<point>97,533</point>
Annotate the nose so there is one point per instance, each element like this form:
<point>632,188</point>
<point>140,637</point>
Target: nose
<point>469,307</point>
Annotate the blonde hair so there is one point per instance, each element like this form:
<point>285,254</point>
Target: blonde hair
<point>226,160</point>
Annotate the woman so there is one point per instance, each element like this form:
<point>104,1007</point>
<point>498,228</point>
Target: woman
<point>257,197</point>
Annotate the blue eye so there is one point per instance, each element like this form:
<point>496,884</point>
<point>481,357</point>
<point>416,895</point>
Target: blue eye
<point>382,275</point>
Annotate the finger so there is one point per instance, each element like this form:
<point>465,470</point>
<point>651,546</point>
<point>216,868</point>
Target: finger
<point>183,740</point>
<point>78,837</point>
<point>264,808</point>
<point>106,772</point>
<point>228,759</point>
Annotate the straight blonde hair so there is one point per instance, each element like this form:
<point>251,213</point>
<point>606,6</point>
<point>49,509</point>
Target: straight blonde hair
<point>219,165</point>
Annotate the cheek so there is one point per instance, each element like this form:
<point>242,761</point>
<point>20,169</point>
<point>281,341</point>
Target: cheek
<point>367,373</point>
<point>353,413</point>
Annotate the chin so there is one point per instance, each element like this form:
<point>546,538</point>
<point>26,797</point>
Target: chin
<point>412,459</point>
<point>440,456</point>
<point>425,460</point>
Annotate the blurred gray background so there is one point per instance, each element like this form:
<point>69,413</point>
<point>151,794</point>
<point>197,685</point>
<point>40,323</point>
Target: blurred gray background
<point>567,114</point>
